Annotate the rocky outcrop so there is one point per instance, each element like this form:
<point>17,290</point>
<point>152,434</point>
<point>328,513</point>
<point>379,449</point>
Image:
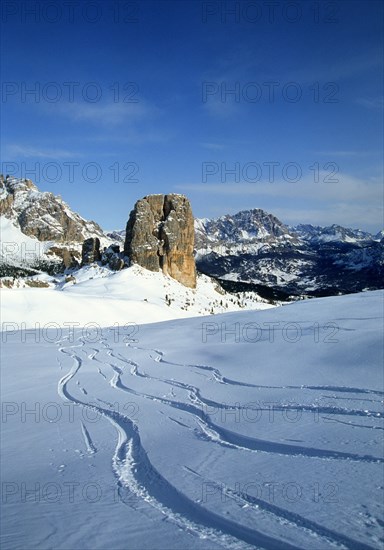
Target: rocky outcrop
<point>160,235</point>
<point>91,251</point>
<point>42,214</point>
<point>69,256</point>
<point>112,257</point>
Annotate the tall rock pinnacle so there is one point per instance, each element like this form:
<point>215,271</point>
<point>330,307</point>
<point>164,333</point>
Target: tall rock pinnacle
<point>160,235</point>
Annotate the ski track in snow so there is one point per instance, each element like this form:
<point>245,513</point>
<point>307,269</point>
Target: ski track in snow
<point>135,473</point>
<point>294,519</point>
<point>88,440</point>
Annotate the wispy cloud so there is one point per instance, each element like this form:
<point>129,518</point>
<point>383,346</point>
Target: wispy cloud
<point>213,146</point>
<point>375,103</point>
<point>25,151</point>
<point>348,215</point>
<point>346,153</point>
<point>132,135</point>
<point>215,107</point>
<point>131,123</point>
<point>338,69</point>
<point>346,188</point>
<point>111,114</point>
<point>350,201</point>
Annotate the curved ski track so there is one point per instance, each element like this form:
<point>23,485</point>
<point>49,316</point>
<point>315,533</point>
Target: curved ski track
<point>136,474</point>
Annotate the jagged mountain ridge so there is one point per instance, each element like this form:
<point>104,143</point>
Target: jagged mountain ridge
<point>255,247</point>
<point>332,233</point>
<point>42,214</point>
<point>248,231</point>
<point>39,231</point>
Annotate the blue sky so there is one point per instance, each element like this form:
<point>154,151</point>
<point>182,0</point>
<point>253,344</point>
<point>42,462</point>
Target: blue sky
<point>235,104</point>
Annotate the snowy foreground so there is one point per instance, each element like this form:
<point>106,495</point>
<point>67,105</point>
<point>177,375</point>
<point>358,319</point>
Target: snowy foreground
<point>256,429</point>
<point>104,298</point>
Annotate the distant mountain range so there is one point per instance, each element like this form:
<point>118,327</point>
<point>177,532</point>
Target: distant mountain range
<point>254,248</point>
<point>250,250</point>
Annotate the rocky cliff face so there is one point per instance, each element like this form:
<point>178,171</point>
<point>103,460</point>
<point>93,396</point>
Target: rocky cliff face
<point>90,251</point>
<point>160,235</point>
<point>47,218</point>
<point>41,214</point>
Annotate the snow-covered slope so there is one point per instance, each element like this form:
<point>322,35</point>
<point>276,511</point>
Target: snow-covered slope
<point>246,430</point>
<point>96,294</point>
<point>17,248</point>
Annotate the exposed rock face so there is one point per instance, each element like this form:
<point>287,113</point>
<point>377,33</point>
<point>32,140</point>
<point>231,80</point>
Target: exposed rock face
<point>42,214</point>
<point>91,251</point>
<point>111,257</point>
<point>160,235</point>
<point>69,256</point>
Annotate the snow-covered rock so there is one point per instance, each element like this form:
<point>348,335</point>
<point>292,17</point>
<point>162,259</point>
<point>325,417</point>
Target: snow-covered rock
<point>42,214</point>
<point>332,233</point>
<point>39,230</point>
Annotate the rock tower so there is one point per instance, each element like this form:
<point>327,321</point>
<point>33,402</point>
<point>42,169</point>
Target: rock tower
<point>160,235</point>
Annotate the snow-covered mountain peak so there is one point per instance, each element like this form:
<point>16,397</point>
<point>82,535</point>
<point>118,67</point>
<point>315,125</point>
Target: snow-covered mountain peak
<point>42,214</point>
<point>332,233</point>
<point>256,248</point>
<point>251,228</point>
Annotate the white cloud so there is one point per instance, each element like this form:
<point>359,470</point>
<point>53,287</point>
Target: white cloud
<point>352,202</point>
<point>213,146</point>
<point>217,108</point>
<point>346,153</point>
<point>346,188</point>
<point>133,123</point>
<point>375,103</point>
<point>349,215</point>
<point>26,151</point>
<point>111,114</point>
